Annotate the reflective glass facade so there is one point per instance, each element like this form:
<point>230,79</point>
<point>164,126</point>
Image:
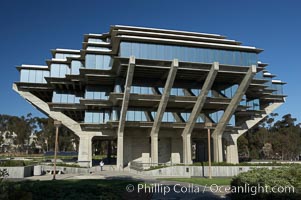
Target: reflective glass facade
<point>278,88</point>
<point>253,104</point>
<point>167,117</point>
<point>59,70</point>
<point>188,54</point>
<point>185,117</point>
<point>75,66</point>
<point>230,92</point>
<point>98,61</point>
<point>33,75</point>
<point>135,115</point>
<point>141,90</point>
<point>64,97</point>
<point>97,117</point>
<point>93,92</point>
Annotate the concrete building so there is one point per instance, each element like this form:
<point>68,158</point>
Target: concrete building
<point>153,90</point>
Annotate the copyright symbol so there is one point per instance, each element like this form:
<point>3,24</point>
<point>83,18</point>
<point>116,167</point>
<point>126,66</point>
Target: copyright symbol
<point>130,188</point>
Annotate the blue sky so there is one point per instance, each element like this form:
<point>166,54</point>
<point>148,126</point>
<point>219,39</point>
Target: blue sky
<point>29,29</point>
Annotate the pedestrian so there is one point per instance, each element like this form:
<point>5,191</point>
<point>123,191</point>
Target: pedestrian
<point>101,164</point>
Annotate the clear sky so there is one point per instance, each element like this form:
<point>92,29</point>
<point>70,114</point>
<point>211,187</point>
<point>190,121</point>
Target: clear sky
<point>29,29</point>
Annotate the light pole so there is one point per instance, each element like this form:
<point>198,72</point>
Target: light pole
<point>208,125</point>
<point>57,124</point>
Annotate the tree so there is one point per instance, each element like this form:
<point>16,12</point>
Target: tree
<point>46,136</point>
<point>276,140</point>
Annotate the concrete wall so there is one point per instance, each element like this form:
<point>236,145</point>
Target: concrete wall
<point>164,153</point>
<point>176,150</point>
<point>200,171</point>
<point>137,146</point>
<point>66,170</point>
<point>19,172</point>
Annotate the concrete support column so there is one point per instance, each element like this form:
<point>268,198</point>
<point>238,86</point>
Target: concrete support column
<point>154,149</point>
<point>161,109</point>
<point>186,135</point>
<point>231,148</point>
<point>232,154</point>
<point>187,149</point>
<point>85,151</point>
<point>120,154</point>
<point>124,107</point>
<point>217,148</point>
<point>221,126</point>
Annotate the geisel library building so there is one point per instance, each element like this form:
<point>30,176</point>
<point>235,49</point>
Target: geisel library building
<point>154,92</point>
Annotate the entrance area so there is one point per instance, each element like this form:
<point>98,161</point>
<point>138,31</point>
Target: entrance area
<point>105,150</point>
<point>200,150</point>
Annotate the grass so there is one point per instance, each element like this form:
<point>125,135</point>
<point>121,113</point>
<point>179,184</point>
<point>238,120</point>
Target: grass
<point>201,181</point>
<point>70,189</point>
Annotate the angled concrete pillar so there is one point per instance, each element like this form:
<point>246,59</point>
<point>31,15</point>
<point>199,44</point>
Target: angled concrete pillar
<point>221,126</point>
<point>161,109</point>
<point>217,148</point>
<point>252,122</point>
<point>43,106</point>
<point>231,148</point>
<point>198,106</point>
<point>124,108</point>
<point>85,151</point>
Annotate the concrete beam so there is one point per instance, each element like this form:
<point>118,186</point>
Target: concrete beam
<point>161,109</point>
<point>231,146</point>
<point>198,106</point>
<point>221,126</point>
<point>252,122</point>
<point>56,115</point>
<point>124,108</point>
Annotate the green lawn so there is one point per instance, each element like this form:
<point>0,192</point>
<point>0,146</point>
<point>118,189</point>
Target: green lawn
<point>201,181</point>
<point>69,190</point>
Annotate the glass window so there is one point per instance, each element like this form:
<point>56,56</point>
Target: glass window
<point>143,51</point>
<point>88,117</point>
<point>106,116</point>
<point>56,98</point>
<point>168,52</point>
<point>232,121</point>
<point>107,62</point>
<point>185,116</point>
<point>39,76</point>
<point>97,117</point>
<point>135,49</point>
<point>75,66</point>
<point>196,92</point>
<point>90,61</point>
<point>130,115</point>
<point>168,117</point>
<point>199,120</point>
<point>24,75</point>
<point>32,76</point>
<point>45,74</point>
<point>99,62</point>
<point>203,55</point>
<point>59,56</point>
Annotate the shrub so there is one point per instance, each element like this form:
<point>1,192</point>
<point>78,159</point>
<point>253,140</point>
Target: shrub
<point>268,179</point>
<point>16,163</point>
<point>3,185</point>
